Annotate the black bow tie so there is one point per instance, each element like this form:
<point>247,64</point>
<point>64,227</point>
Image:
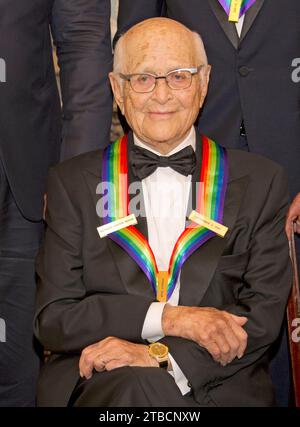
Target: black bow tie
<point>144,162</point>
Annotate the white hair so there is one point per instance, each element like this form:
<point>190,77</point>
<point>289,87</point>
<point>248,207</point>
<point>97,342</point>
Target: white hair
<point>199,48</point>
<point>119,55</point>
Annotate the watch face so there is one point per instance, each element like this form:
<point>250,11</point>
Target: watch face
<point>159,350</point>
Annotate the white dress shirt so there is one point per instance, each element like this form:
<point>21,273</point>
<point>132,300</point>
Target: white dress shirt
<point>239,25</point>
<point>166,195</point>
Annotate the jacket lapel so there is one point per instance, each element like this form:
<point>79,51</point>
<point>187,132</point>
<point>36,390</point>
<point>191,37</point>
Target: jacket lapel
<point>198,270</point>
<point>229,28</point>
<point>250,16</point>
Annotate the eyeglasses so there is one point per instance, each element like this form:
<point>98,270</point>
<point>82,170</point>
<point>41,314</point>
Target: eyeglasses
<point>177,80</point>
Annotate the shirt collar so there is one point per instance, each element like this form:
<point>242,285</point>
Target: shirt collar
<point>189,140</point>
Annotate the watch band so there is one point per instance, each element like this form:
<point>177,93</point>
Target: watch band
<point>164,364</point>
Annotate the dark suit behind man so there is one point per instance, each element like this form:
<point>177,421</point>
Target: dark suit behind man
<point>251,77</point>
<point>32,130</point>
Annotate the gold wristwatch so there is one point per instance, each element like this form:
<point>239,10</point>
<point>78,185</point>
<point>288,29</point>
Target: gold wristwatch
<point>160,353</point>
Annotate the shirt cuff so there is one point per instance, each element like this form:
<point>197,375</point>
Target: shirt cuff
<point>152,328</point>
<point>179,377</point>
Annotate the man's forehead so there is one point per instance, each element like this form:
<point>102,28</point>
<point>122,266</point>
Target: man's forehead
<point>164,54</point>
<point>147,39</point>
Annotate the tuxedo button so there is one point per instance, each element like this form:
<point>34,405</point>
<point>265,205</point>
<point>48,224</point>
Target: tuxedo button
<point>189,384</point>
<point>244,71</point>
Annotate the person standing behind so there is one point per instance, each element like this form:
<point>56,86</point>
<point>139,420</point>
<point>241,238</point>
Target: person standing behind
<point>34,134</point>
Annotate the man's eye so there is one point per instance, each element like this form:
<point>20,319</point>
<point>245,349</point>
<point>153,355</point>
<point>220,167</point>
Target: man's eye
<point>143,78</point>
<point>179,76</point>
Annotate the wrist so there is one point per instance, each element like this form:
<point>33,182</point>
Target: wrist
<point>170,320</point>
<point>150,361</point>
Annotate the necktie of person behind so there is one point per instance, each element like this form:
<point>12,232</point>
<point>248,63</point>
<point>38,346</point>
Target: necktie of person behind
<point>245,5</point>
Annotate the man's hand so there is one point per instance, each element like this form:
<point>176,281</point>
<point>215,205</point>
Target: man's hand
<point>293,215</point>
<point>112,353</point>
<point>221,333</point>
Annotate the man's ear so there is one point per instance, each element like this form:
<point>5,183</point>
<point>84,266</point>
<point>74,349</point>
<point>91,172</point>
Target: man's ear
<point>204,78</point>
<point>117,89</point>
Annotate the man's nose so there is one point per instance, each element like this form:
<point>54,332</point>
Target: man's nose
<point>162,93</point>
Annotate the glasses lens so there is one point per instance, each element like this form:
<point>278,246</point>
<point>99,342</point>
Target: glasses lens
<point>142,82</point>
<point>179,79</point>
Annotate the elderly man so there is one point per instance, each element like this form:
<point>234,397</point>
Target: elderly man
<point>200,271</point>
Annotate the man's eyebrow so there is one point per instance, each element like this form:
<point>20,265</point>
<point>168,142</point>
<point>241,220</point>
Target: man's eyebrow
<point>149,70</point>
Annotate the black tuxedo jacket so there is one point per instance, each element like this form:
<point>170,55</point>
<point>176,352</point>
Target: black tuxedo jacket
<point>251,76</point>
<point>31,123</point>
<point>89,288</point>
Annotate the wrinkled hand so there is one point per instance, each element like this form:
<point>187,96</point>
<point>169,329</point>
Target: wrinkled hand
<point>293,215</point>
<point>112,353</point>
<point>221,333</point>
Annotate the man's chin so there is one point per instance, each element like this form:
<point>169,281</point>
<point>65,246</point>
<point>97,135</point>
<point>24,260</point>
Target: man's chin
<point>160,116</point>
<point>160,133</point>
<point>157,138</point>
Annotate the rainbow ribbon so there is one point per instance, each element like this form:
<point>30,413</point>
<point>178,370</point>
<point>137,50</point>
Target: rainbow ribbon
<point>246,4</point>
<point>210,202</point>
